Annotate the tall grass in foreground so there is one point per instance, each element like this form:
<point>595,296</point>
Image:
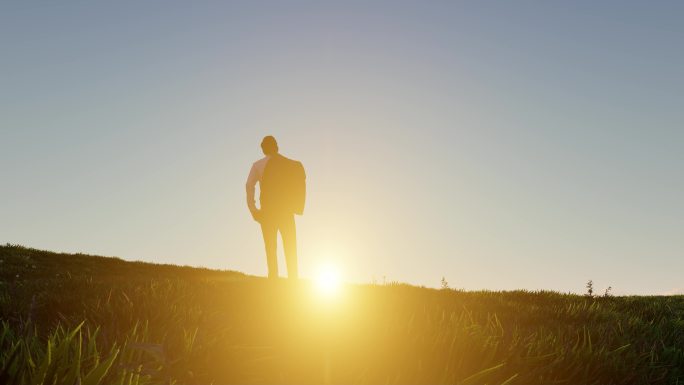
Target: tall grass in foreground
<point>72,356</point>
<point>67,357</point>
<point>116,325</point>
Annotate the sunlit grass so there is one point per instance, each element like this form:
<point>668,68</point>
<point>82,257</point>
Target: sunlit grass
<point>76,317</point>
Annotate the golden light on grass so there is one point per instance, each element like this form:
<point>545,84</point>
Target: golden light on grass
<point>328,281</point>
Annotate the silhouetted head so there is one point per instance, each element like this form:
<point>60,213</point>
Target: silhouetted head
<point>269,145</point>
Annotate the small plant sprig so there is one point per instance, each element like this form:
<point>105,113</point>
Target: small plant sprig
<point>590,288</point>
<point>444,285</point>
<point>607,293</point>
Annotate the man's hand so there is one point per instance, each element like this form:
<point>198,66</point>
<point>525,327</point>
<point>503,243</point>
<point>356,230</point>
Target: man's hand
<point>256,214</point>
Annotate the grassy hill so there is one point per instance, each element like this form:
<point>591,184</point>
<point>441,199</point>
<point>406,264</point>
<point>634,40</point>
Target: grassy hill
<point>73,318</point>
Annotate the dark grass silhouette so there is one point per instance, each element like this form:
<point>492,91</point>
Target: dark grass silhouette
<point>139,323</point>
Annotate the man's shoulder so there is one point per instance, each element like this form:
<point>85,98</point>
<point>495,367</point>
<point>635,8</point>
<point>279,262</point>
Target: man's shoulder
<point>289,160</point>
<point>260,161</point>
<point>279,162</point>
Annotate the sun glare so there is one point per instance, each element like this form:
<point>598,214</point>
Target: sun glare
<point>328,281</point>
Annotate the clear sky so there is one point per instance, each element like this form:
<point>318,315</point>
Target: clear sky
<point>501,145</point>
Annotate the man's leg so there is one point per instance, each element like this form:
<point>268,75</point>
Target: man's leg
<point>269,229</point>
<point>288,232</point>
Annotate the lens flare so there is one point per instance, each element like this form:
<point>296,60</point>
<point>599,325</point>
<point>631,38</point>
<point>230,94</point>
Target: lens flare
<point>328,281</point>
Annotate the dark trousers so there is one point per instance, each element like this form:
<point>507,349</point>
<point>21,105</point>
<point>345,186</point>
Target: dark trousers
<point>285,224</point>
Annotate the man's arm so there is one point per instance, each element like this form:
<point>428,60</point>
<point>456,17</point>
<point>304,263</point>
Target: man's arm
<point>250,186</point>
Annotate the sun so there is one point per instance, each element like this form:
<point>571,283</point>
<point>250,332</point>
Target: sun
<point>328,283</point>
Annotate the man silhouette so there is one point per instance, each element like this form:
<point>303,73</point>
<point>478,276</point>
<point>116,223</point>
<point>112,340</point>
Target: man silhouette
<point>281,195</point>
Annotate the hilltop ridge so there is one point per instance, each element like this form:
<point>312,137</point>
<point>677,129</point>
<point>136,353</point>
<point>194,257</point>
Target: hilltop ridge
<point>30,263</point>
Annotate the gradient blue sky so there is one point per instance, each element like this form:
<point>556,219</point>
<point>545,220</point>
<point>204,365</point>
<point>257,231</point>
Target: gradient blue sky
<point>501,145</point>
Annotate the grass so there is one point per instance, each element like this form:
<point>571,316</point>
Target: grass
<point>78,319</point>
